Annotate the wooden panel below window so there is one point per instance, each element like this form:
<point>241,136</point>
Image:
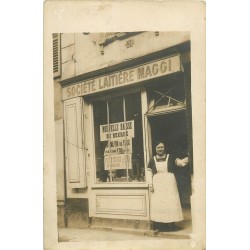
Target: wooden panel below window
<point>122,204</point>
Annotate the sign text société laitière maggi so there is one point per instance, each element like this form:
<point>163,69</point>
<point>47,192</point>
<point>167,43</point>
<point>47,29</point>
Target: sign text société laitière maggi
<point>125,77</point>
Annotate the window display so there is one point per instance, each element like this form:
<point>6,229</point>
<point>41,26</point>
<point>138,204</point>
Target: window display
<point>118,139</point>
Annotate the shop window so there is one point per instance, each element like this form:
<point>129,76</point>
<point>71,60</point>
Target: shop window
<point>118,139</point>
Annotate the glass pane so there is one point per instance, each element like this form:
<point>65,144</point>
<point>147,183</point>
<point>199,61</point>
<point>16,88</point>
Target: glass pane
<point>133,113</point>
<point>166,95</point>
<point>100,117</point>
<point>116,110</point>
<point>115,161</point>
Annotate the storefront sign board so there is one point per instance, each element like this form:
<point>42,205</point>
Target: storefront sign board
<point>129,76</point>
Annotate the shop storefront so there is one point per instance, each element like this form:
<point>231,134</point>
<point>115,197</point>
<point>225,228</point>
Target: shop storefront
<point>112,118</point>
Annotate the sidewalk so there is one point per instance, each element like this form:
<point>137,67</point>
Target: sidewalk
<point>75,235</point>
<point>93,239</point>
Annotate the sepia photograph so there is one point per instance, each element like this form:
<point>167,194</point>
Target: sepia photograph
<point>127,123</point>
<point>123,113</point>
<point>122,128</point>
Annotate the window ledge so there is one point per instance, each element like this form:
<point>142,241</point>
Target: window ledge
<point>119,185</point>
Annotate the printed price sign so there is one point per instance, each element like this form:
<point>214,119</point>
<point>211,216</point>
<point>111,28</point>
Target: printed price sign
<point>119,146</point>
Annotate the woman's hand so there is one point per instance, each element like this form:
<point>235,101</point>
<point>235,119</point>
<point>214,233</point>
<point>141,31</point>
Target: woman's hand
<point>185,161</point>
<point>151,188</point>
<point>182,162</point>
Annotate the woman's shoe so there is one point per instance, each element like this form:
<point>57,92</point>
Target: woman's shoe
<point>174,228</point>
<point>169,227</point>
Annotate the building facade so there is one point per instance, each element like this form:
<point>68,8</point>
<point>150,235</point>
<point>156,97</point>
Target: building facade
<point>116,94</point>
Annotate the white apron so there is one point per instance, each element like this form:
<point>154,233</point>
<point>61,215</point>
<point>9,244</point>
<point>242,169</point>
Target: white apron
<point>165,202</point>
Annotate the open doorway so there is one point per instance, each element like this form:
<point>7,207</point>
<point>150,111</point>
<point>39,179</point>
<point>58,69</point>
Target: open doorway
<point>173,130</point>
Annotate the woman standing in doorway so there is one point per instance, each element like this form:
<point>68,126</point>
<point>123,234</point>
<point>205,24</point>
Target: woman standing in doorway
<point>165,207</point>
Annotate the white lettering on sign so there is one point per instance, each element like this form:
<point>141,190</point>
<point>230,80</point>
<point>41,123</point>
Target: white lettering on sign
<point>117,130</point>
<point>126,77</point>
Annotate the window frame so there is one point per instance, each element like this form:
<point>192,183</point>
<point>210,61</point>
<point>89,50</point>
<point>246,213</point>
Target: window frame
<point>105,96</point>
